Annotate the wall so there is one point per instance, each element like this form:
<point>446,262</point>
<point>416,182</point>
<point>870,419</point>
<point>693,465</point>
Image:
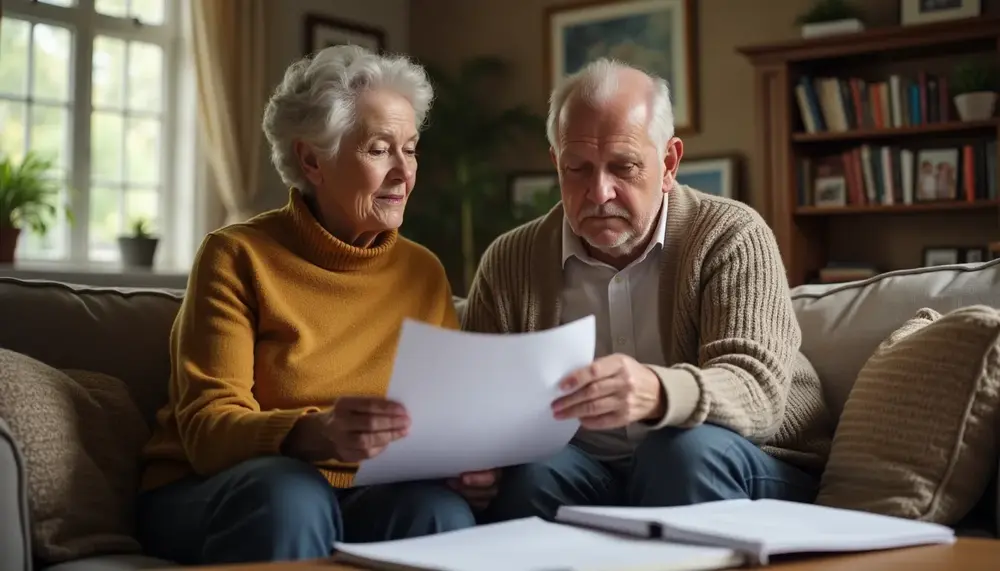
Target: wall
<point>444,31</point>
<point>285,32</point>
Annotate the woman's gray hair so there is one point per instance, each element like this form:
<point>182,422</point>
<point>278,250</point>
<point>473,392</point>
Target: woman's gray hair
<point>315,101</point>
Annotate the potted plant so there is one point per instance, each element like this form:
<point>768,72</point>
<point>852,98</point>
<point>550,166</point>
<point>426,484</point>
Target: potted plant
<point>29,197</point>
<point>138,249</point>
<point>974,86</point>
<point>829,17</point>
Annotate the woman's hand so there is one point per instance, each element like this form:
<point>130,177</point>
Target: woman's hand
<point>353,429</point>
<point>478,488</point>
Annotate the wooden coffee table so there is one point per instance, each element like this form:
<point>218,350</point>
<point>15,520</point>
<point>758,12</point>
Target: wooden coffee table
<point>964,555</point>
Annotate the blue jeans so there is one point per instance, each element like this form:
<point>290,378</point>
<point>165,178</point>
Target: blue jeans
<point>670,467</point>
<point>280,509</point>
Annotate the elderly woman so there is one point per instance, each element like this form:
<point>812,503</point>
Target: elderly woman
<point>284,345</point>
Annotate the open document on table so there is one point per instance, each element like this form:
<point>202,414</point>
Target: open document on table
<point>478,401</point>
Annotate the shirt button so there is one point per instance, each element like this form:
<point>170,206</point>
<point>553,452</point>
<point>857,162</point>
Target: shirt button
<point>621,340</point>
<point>618,279</point>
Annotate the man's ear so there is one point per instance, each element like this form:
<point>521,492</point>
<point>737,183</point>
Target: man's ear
<point>308,162</point>
<point>552,157</point>
<point>671,162</point>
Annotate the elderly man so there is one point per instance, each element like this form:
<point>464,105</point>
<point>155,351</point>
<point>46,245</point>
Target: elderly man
<point>698,391</point>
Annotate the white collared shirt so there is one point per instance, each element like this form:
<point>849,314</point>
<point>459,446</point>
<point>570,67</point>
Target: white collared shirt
<point>625,306</point>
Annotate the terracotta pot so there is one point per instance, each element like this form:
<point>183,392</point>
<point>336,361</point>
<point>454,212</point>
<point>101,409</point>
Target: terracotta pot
<point>8,243</point>
<point>977,106</point>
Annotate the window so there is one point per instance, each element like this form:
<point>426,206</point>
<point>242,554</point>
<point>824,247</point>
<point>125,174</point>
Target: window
<point>88,84</point>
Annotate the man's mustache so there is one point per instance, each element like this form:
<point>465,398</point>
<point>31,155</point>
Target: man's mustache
<point>607,210</point>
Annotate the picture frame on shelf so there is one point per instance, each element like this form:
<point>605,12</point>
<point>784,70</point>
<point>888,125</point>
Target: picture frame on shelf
<point>324,31</point>
<point>529,189</point>
<point>936,176</point>
<point>658,36</point>
<point>717,175</point>
<point>941,256</point>
<point>974,255</point>
<point>916,12</point>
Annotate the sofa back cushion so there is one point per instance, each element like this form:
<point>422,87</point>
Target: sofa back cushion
<point>123,333</point>
<point>843,324</point>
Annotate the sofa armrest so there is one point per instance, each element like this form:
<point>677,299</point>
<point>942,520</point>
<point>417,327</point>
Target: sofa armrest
<point>15,538</point>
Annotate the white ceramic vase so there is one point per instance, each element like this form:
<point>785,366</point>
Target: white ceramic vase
<point>976,106</point>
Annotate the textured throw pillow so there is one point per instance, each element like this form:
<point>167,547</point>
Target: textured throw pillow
<point>81,434</point>
<point>918,435</point>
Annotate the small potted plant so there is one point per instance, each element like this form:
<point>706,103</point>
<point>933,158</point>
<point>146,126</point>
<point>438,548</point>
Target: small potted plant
<point>138,249</point>
<point>974,87</point>
<point>830,17</point>
<point>29,199</point>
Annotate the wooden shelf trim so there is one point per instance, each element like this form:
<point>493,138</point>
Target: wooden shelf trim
<point>876,40</point>
<point>927,129</point>
<point>896,208</point>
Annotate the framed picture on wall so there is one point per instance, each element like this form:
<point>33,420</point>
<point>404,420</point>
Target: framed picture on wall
<point>657,36</point>
<point>915,12</point>
<point>711,175</point>
<point>324,31</point>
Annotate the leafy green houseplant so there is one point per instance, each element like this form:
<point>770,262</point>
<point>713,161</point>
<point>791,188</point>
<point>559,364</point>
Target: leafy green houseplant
<point>138,249</point>
<point>29,200</point>
<point>974,87</point>
<point>462,203</point>
<point>827,17</point>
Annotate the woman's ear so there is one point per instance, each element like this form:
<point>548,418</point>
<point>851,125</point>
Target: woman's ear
<point>309,162</point>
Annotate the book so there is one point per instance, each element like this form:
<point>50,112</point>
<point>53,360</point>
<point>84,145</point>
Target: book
<point>533,544</point>
<point>761,529</point>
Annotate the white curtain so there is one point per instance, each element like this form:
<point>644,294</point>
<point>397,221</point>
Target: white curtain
<point>228,46</point>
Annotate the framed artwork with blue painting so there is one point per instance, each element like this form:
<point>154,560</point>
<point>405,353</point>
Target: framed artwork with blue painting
<point>712,175</point>
<point>657,36</point>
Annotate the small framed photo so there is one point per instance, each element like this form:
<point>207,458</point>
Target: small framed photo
<point>711,175</point>
<point>531,189</point>
<point>937,175</point>
<point>916,12</point>
<point>974,255</point>
<point>322,32</point>
<point>830,191</point>
<point>941,256</point>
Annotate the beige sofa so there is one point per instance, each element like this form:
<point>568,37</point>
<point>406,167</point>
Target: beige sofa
<point>123,333</point>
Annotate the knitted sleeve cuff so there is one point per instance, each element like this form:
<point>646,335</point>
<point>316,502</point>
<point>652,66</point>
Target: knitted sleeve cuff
<point>682,393</point>
<point>274,426</point>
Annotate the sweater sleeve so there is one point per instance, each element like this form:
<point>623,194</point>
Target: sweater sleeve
<point>748,338</point>
<point>212,348</point>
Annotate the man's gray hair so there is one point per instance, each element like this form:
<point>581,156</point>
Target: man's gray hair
<point>596,83</point>
<point>316,101</point>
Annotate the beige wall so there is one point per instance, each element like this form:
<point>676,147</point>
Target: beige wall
<point>285,31</point>
<point>446,31</point>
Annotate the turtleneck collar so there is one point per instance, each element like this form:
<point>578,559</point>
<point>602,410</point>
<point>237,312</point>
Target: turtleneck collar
<point>329,252</point>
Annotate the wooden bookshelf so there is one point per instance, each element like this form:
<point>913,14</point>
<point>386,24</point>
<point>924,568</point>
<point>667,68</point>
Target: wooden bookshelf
<point>890,230</point>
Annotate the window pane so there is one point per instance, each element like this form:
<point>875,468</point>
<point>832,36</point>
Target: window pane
<point>108,72</point>
<point>106,147</point>
<point>51,245</point>
<point>148,11</point>
<point>51,64</point>
<point>145,76</point>
<point>12,123</point>
<point>49,134</point>
<point>105,222</point>
<point>142,204</point>
<point>142,147</point>
<point>14,63</point>
<point>117,8</point>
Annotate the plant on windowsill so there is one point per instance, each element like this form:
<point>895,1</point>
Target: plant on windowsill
<point>138,249</point>
<point>830,17</point>
<point>975,87</point>
<point>29,200</point>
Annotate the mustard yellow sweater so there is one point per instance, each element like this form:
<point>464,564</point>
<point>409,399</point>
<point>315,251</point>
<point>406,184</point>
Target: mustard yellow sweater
<point>280,318</point>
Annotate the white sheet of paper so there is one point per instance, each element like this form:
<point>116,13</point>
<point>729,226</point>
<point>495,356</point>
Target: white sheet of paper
<point>533,544</point>
<point>478,401</point>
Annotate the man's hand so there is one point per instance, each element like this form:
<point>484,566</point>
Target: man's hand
<point>353,429</point>
<point>478,488</point>
<point>611,392</point>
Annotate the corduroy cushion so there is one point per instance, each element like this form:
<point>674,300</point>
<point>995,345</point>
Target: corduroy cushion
<point>918,436</point>
<point>81,434</point>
